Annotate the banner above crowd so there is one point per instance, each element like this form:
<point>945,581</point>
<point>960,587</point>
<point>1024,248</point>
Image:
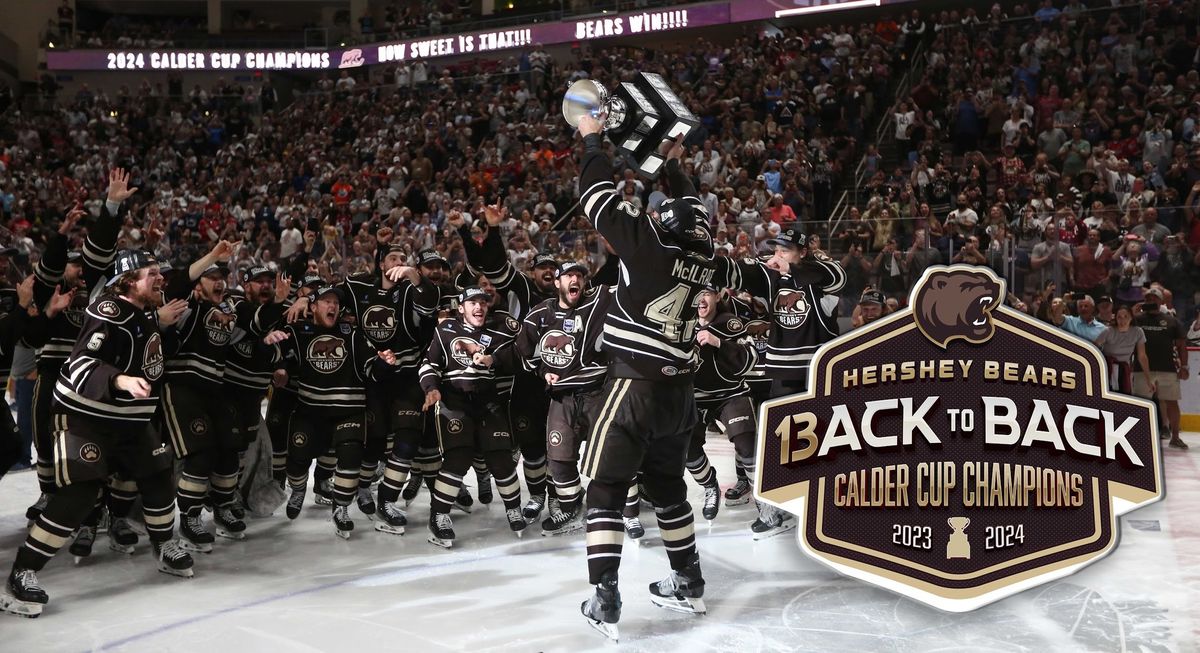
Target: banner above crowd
<point>413,50</point>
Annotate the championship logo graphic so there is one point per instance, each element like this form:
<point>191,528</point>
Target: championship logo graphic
<point>958,451</point>
<point>219,325</point>
<point>379,322</point>
<point>557,348</point>
<point>327,353</point>
<point>152,360</point>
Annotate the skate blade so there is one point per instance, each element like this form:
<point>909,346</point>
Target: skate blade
<point>80,558</point>
<point>127,549</point>
<point>193,547</point>
<point>322,501</point>
<point>384,527</point>
<point>231,535</point>
<point>12,605</point>
<point>466,509</point>
<point>737,502</point>
<point>345,535</point>
<point>520,534</point>
<point>684,605</point>
<point>787,525</point>
<point>437,541</point>
<point>564,531</point>
<point>608,630</point>
<point>180,573</point>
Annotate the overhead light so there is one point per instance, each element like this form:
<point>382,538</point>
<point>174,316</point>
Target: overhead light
<point>50,45</point>
<point>510,5</point>
<point>850,4</point>
<point>342,44</point>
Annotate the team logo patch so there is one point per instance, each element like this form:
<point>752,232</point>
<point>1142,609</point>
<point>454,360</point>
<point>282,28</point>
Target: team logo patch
<point>299,438</point>
<point>455,425</point>
<point>218,324</point>
<point>512,324</point>
<point>958,451</point>
<point>670,370</point>
<point>326,353</point>
<point>557,348</point>
<point>555,438</point>
<point>379,322</point>
<point>463,350</point>
<point>199,426</point>
<point>90,452</point>
<point>108,308</point>
<point>791,308</point>
<point>522,423</point>
<point>152,358</point>
<point>734,325</point>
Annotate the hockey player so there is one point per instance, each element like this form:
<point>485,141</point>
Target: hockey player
<point>330,362</point>
<point>459,378</point>
<point>106,401</point>
<point>559,343</point>
<point>758,327</point>
<point>648,409</point>
<point>14,315</point>
<point>727,355</point>
<point>795,285</point>
<point>519,293</point>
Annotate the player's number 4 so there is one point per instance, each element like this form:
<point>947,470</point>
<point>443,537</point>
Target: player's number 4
<point>667,310</point>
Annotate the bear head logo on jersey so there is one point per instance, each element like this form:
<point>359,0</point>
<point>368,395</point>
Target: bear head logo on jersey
<point>957,305</point>
<point>152,358</point>
<point>327,353</point>
<point>557,348</point>
<point>379,322</point>
<point>464,349</point>
<point>792,308</point>
<point>219,325</point>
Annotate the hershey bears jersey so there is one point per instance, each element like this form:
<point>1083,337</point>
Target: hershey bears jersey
<point>249,361</point>
<point>391,319</point>
<point>330,367</point>
<point>449,364</point>
<point>799,323</point>
<point>650,328</point>
<point>564,341</point>
<point>722,371</point>
<point>116,338</point>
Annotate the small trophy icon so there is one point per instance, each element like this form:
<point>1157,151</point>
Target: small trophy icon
<point>958,546</point>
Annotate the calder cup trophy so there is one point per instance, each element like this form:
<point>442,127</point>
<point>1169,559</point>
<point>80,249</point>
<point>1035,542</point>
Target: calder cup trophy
<point>638,117</point>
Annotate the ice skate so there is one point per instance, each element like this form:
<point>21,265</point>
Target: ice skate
<point>391,519</point>
<point>633,528</point>
<point>295,502</point>
<point>173,559</point>
<point>193,535</point>
<point>411,489</point>
<point>23,595</point>
<point>681,590</point>
<point>603,609</point>
<point>81,548</point>
<point>463,501</point>
<point>238,506</point>
<point>121,537</point>
<point>739,494</point>
<point>562,522</point>
<point>516,521</point>
<point>441,530</point>
<point>228,524</point>
<point>712,502</point>
<point>365,500</point>
<point>35,511</point>
<point>534,507</point>
<point>485,488</point>
<point>771,522</point>
<point>342,524</point>
<point>323,493</point>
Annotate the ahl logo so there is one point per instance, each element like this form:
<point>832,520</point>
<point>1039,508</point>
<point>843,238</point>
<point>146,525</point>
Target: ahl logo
<point>379,322</point>
<point>958,451</point>
<point>557,348</point>
<point>555,438</point>
<point>90,452</point>
<point>326,353</point>
<point>199,426</point>
<point>463,350</point>
<point>791,308</point>
<point>219,325</point>
<point>152,359</point>
<point>352,59</point>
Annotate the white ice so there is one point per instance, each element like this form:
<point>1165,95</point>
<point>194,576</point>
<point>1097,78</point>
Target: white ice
<point>294,586</point>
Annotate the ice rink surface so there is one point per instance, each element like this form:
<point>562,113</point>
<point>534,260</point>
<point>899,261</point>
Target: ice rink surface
<point>294,586</point>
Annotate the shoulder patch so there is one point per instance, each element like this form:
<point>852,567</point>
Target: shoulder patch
<point>108,308</point>
<point>512,324</point>
<point>344,328</point>
<point>734,324</point>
